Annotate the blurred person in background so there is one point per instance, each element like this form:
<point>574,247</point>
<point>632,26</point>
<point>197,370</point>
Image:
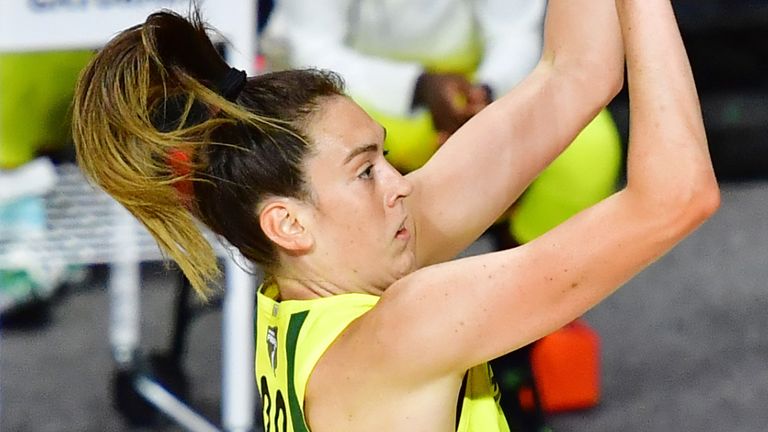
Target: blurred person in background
<point>36,91</point>
<point>422,68</point>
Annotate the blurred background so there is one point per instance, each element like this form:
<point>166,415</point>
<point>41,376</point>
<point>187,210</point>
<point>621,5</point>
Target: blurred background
<point>684,346</point>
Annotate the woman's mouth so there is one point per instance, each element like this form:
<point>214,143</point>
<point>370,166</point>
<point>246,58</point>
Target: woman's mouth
<point>403,233</point>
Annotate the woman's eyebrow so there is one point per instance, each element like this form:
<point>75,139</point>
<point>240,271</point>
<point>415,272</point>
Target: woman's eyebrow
<point>360,150</point>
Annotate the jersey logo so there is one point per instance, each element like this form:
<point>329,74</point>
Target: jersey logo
<point>494,385</point>
<point>272,347</point>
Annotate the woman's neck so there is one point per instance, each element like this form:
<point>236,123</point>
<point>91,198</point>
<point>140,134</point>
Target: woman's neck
<point>295,289</point>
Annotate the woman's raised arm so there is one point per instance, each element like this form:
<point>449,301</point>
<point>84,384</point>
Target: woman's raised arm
<point>483,168</point>
<point>464,312</point>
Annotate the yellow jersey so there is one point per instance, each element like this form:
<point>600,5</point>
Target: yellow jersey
<point>292,335</point>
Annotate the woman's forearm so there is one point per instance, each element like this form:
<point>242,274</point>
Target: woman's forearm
<point>490,160</point>
<point>580,41</point>
<point>668,156</point>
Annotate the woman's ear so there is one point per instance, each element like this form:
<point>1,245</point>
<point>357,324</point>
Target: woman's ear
<point>280,221</point>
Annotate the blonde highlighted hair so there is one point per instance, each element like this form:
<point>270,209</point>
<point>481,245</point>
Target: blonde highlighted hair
<point>152,91</point>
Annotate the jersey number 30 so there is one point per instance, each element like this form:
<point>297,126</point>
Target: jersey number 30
<point>280,419</point>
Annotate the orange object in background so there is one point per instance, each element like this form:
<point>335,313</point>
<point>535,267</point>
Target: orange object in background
<point>566,370</point>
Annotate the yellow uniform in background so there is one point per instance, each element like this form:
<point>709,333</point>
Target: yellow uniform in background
<point>36,91</point>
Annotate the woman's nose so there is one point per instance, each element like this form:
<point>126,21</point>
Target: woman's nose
<point>401,188</point>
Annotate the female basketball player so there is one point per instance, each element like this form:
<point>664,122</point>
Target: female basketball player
<point>363,323</point>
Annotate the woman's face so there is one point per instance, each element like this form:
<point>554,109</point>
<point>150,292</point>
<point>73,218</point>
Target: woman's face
<point>362,230</point>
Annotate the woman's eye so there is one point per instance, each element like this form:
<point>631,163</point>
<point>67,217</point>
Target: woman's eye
<point>368,173</point>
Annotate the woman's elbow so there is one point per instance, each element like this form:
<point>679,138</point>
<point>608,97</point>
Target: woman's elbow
<point>707,199</point>
<point>614,84</point>
<point>692,204</point>
<point>700,195</point>
<point>600,83</point>
<point>611,83</point>
<point>682,203</point>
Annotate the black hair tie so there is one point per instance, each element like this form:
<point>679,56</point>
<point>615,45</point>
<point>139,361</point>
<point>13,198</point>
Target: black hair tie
<point>232,84</point>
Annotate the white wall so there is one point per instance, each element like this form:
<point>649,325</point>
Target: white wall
<point>31,25</point>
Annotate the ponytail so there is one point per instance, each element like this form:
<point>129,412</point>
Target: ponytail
<point>166,127</point>
<point>125,127</point>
